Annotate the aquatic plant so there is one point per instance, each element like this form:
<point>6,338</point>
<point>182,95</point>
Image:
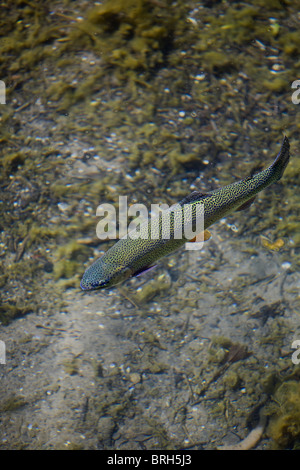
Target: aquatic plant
<point>284,427</point>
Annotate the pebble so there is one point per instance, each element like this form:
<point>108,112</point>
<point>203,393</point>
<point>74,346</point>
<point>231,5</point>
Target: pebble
<point>135,378</point>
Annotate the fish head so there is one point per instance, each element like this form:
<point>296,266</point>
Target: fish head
<point>101,275</point>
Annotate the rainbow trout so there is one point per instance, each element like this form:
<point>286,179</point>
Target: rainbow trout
<point>130,257</point>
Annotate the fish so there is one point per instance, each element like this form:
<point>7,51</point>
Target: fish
<point>131,257</point>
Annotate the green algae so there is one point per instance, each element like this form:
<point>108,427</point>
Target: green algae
<point>11,311</point>
<point>277,84</point>
<point>284,427</point>
<point>230,103</point>
<point>128,35</point>
<point>12,161</point>
<point>152,288</point>
<point>138,40</point>
<point>215,61</point>
<point>69,259</point>
<point>12,403</point>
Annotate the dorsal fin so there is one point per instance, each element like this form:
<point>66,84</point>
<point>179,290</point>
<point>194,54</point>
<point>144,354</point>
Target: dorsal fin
<point>204,236</point>
<point>253,172</point>
<point>194,196</point>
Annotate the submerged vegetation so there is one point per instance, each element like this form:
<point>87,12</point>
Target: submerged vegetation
<point>284,426</point>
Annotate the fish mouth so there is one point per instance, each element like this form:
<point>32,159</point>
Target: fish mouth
<point>92,285</point>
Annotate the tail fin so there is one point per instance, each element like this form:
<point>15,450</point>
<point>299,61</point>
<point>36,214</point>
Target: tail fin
<point>282,158</point>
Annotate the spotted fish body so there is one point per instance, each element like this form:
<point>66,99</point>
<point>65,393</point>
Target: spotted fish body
<point>129,257</point>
